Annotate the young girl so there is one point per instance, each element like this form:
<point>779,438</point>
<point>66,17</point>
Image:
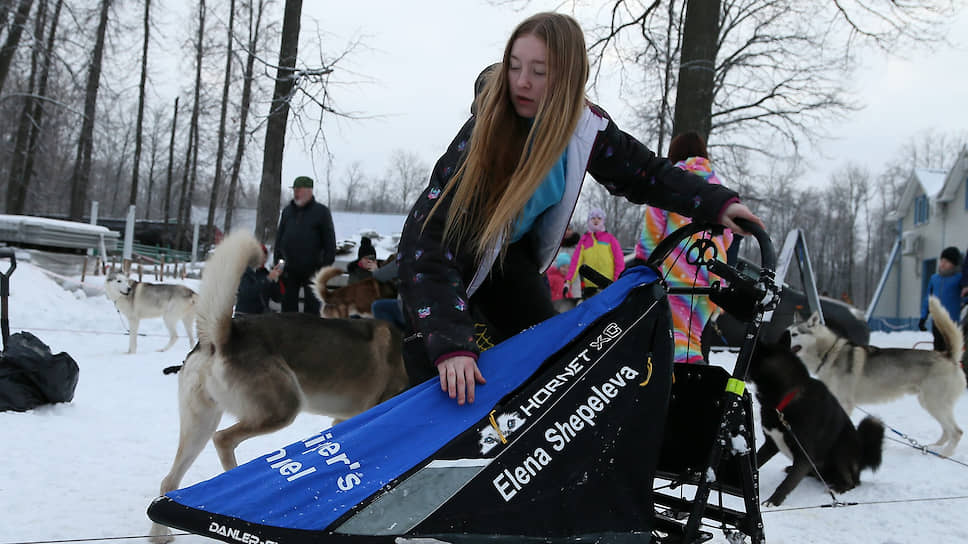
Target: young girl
<point>478,239</point>
<point>599,250</point>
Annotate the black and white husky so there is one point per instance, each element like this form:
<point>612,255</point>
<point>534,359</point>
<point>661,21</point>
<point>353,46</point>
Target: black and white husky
<point>801,419</point>
<point>140,300</point>
<point>866,374</point>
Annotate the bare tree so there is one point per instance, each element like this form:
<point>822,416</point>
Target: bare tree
<point>171,163</point>
<point>267,214</point>
<point>355,187</point>
<point>17,184</point>
<point>697,68</point>
<point>13,38</point>
<point>191,157</point>
<point>217,180</point>
<point>408,174</point>
<point>141,106</point>
<point>82,162</point>
<point>255,9</point>
<point>781,66</point>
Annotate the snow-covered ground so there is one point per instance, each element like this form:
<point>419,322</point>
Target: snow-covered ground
<point>88,469</point>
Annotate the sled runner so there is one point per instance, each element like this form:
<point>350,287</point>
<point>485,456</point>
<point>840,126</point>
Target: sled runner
<point>561,445</point>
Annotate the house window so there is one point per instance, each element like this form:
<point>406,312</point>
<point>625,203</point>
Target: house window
<point>921,210</point>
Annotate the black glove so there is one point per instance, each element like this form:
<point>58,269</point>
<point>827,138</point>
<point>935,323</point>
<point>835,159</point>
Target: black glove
<point>921,324</point>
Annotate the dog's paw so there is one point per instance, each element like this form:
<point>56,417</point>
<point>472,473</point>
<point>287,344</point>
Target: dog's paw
<point>160,534</point>
<point>771,502</point>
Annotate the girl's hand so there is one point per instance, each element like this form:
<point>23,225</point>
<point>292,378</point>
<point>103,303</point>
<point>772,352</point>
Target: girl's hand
<point>458,376</point>
<point>737,210</point>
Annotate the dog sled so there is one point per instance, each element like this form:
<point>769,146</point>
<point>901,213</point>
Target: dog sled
<point>581,417</point>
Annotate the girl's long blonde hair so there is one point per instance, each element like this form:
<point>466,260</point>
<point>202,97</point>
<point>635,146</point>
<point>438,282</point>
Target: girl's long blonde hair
<point>508,157</point>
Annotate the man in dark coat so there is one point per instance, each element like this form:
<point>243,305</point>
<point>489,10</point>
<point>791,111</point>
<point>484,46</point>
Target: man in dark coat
<point>307,242</point>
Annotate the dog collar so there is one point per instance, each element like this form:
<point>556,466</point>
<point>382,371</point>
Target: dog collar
<point>787,399</point>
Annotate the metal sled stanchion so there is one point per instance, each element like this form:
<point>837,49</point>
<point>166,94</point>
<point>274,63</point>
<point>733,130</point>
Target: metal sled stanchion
<point>709,440</point>
<point>6,253</point>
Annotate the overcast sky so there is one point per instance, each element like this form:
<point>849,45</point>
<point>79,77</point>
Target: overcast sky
<point>421,58</point>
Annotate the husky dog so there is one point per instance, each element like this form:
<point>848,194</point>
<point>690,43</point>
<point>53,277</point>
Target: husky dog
<point>354,299</point>
<point>804,421</point>
<point>861,374</point>
<point>138,300</point>
<point>267,368</point>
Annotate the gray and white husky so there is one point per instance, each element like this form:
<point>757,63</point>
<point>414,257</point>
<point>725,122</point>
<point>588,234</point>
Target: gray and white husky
<point>267,368</point>
<point>866,374</point>
<point>139,300</point>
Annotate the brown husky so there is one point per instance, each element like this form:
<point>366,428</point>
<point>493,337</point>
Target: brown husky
<point>265,369</point>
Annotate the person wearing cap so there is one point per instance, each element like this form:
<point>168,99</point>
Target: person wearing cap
<point>257,286</point>
<point>365,263</point>
<point>306,240</point>
<point>944,285</point>
<point>599,250</point>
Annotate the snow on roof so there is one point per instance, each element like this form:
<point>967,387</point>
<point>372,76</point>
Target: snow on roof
<point>931,180</point>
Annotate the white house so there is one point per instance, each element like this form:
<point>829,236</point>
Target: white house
<point>931,215</point>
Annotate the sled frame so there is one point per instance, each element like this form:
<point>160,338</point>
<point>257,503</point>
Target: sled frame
<point>723,457</point>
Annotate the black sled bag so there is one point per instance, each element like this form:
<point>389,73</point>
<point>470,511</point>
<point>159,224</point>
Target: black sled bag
<point>560,445</point>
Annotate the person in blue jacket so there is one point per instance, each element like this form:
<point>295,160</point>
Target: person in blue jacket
<point>944,284</point>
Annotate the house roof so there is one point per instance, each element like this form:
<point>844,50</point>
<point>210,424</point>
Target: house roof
<point>955,177</point>
<point>939,185</point>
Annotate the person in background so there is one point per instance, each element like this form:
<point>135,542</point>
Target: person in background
<point>365,263</point>
<point>944,284</point>
<point>478,239</point>
<point>689,313</point>
<point>556,277</point>
<point>257,286</point>
<point>307,241</point>
<point>598,249</point>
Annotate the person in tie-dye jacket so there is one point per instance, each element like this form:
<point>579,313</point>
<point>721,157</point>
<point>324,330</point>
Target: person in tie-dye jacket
<point>689,313</point>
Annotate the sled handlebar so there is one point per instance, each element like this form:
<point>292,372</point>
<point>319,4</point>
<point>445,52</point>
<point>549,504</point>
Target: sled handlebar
<point>767,253</point>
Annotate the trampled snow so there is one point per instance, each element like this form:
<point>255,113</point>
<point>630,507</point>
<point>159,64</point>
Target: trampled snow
<point>88,469</point>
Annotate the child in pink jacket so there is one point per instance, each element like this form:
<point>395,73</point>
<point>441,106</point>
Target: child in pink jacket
<point>599,250</point>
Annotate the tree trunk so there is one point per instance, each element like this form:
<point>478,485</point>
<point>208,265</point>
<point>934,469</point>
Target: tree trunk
<point>217,181</point>
<point>191,160</point>
<point>13,38</point>
<point>16,188</point>
<point>270,186</point>
<point>255,23</point>
<point>171,162</point>
<point>82,162</point>
<point>38,107</point>
<point>694,93</point>
<point>141,107</point>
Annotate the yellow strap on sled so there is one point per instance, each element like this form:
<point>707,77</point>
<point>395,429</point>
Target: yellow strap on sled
<point>736,386</point>
<point>497,429</point>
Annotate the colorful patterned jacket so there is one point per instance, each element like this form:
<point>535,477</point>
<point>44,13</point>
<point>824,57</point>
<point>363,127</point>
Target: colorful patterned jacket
<point>436,281</point>
<point>689,313</point>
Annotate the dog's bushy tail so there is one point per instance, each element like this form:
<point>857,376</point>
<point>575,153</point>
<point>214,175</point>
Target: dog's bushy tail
<point>871,432</point>
<point>948,328</point>
<point>220,285</point>
<point>322,277</point>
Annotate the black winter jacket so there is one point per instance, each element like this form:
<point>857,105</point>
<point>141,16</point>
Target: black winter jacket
<point>305,239</point>
<point>434,278</point>
<point>255,290</point>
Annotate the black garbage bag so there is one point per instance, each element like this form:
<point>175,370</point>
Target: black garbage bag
<point>30,375</point>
